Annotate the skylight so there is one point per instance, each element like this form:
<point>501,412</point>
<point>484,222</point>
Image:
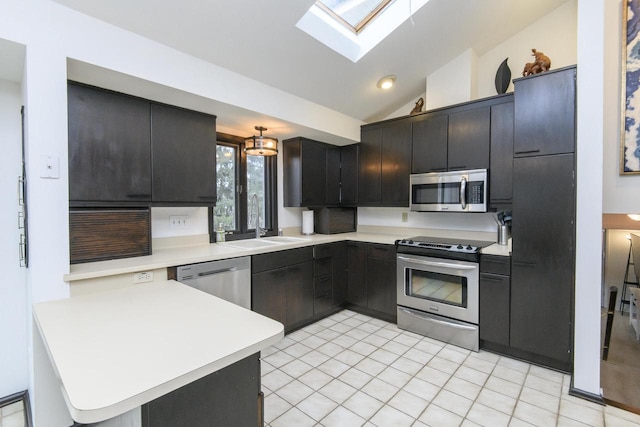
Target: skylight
<point>355,14</point>
<point>349,27</point>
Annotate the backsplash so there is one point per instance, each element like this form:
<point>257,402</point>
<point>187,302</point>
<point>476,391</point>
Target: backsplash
<point>197,222</point>
<point>392,217</point>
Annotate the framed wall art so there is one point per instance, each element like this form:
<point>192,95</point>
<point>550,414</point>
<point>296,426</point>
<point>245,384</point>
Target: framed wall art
<point>630,133</point>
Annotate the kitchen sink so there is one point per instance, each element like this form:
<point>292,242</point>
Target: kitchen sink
<point>284,239</point>
<point>250,243</point>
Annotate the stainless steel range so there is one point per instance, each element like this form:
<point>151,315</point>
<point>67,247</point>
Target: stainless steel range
<point>438,288</point>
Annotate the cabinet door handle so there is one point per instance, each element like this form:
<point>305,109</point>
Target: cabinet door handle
<point>138,196</point>
<point>208,197</point>
<point>528,151</point>
<point>457,168</point>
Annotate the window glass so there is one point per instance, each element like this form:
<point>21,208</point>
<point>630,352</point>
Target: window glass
<point>225,211</point>
<point>256,185</point>
<point>239,177</point>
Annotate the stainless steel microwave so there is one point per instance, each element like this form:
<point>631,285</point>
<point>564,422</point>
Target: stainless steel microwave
<point>457,191</point>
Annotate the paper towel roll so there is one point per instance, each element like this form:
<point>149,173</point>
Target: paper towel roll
<point>307,222</point>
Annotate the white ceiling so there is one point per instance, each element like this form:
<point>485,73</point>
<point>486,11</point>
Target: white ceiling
<point>259,39</point>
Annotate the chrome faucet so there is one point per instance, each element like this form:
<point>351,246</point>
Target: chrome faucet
<point>254,200</point>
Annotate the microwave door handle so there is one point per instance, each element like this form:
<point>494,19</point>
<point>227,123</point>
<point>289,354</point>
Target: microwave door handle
<point>463,192</point>
<point>436,264</point>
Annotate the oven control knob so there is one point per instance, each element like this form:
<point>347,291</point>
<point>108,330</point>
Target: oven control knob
<point>469,248</point>
<point>459,246</point>
<point>411,242</point>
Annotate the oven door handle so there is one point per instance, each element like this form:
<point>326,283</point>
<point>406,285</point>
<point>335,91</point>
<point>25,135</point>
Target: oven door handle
<point>441,322</point>
<point>437,264</point>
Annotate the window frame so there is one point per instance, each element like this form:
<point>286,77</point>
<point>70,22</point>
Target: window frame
<point>360,25</point>
<point>271,193</point>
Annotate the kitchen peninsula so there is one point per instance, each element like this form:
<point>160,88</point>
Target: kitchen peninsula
<point>115,351</point>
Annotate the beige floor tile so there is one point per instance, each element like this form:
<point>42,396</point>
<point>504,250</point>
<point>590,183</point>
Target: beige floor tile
<point>509,374</point>
<point>341,417</point>
<point>380,390</point>
<point>497,401</point>
<point>516,365</point>
<point>407,365</point>
<point>589,416</point>
<point>370,366</point>
<point>408,403</point>
<point>317,406</point>
<point>349,357</point>
<point>543,385</point>
<point>337,391</point>
<point>532,414</point>
<point>394,377</point>
<point>487,416</point>
<point>435,416</point>
<point>363,405</point>
<point>620,413</point>
<point>452,402</point>
<point>479,364</point>
<point>471,375</point>
<point>422,389</point>
<point>614,421</point>
<point>546,374</point>
<point>568,422</point>
<point>295,368</point>
<point>434,376</point>
<point>294,392</point>
<point>313,341</point>
<point>542,400</point>
<point>504,387</point>
<point>452,355</point>
<point>315,379</point>
<point>389,416</point>
<point>443,365</point>
<point>355,378</point>
<point>293,417</point>
<point>276,379</point>
<point>463,388</point>
<point>333,367</point>
<point>274,406</point>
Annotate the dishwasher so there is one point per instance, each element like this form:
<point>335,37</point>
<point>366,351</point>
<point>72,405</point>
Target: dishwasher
<point>229,279</point>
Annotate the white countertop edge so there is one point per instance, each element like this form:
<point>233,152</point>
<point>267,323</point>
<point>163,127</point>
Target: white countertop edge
<point>87,416</point>
<point>59,328</point>
<point>170,257</point>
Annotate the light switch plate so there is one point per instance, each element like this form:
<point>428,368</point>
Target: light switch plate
<point>49,166</point>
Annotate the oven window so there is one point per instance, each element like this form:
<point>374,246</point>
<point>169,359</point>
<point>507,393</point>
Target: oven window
<point>442,288</point>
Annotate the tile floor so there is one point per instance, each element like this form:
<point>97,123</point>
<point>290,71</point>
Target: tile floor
<point>12,415</point>
<point>353,370</point>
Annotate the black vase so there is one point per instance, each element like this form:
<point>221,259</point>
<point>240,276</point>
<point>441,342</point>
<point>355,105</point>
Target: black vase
<point>503,77</point>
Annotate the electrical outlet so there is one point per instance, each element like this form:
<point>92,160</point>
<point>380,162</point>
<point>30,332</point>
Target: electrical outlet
<point>143,276</point>
<point>178,221</point>
<point>405,216</point>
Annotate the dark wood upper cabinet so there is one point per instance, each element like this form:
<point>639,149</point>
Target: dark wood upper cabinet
<point>317,174</point>
<point>349,174</point>
<point>369,167</point>
<point>429,151</point>
<point>544,113</point>
<point>184,156</point>
<point>385,164</point>
<point>128,151</point>
<point>109,147</point>
<point>501,163</point>
<point>469,139</point>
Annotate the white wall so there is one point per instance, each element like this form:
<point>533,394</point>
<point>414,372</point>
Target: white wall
<point>453,83</point>
<point>13,288</point>
<point>555,34</point>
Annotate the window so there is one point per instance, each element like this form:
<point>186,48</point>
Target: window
<point>354,27</point>
<point>239,178</point>
<point>355,14</point>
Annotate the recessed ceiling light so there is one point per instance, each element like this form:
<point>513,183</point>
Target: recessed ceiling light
<point>387,82</point>
<point>634,217</point>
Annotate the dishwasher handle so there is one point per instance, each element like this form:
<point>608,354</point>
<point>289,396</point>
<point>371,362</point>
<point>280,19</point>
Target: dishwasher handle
<point>212,272</point>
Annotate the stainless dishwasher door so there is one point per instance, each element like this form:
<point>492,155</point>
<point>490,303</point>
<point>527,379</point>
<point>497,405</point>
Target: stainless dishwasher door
<point>229,279</point>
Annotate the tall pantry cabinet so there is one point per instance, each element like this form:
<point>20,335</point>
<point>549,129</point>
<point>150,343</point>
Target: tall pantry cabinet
<point>543,228</point>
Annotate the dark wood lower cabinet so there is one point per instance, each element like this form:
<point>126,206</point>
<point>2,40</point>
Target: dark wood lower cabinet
<point>371,279</point>
<point>282,286</point>
<point>229,397</point>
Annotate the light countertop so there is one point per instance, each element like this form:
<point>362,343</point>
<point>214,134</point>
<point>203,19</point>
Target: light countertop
<point>175,256</point>
<point>117,350</point>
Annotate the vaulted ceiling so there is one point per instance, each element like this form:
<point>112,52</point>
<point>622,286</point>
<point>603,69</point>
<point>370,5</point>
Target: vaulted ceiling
<point>259,39</point>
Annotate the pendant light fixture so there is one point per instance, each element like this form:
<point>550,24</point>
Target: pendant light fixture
<point>261,145</point>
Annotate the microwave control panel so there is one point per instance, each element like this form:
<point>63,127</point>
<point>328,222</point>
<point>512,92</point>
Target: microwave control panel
<point>475,192</point>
